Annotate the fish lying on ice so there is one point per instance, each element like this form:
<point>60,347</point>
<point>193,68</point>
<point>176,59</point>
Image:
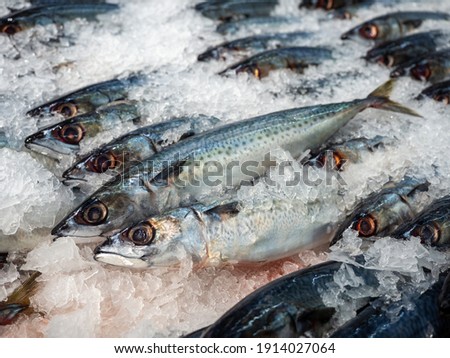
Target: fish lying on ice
<point>179,174</point>
<point>439,92</point>
<point>229,9</point>
<point>64,138</point>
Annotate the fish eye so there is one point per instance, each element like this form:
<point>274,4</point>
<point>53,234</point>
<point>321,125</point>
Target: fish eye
<point>256,72</point>
<point>339,160</point>
<point>369,31</point>
<point>388,60</point>
<point>429,234</point>
<point>68,109</point>
<point>141,234</point>
<point>366,226</point>
<point>95,214</point>
<point>444,98</point>
<point>71,133</point>
<point>10,29</point>
<point>421,72</point>
<point>102,162</point>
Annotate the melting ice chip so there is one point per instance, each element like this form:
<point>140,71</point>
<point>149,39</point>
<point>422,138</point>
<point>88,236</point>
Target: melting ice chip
<point>117,260</point>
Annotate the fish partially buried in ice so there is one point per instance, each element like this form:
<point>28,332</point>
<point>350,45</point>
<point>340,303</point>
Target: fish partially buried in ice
<point>179,174</point>
<point>252,44</point>
<point>439,92</point>
<point>217,235</point>
<point>289,307</point>
<point>51,14</point>
<point>392,26</point>
<point>89,98</point>
<point>382,212</point>
<point>129,149</point>
<point>433,67</point>
<point>64,138</point>
<point>229,9</point>
<point>395,52</point>
<point>293,58</point>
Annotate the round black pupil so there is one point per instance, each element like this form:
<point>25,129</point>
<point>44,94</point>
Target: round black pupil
<point>365,226</point>
<point>10,29</point>
<point>71,134</point>
<point>428,234</point>
<point>103,163</point>
<point>66,110</point>
<point>140,235</point>
<point>94,214</point>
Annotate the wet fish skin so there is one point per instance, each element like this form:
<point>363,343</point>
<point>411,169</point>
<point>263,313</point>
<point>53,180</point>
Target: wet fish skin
<point>62,2</point>
<point>293,58</point>
<point>432,225</point>
<point>286,307</point>
<point>395,52</point>
<point>391,26</point>
<point>439,92</point>
<point>433,67</point>
<point>64,138</point>
<point>444,297</point>
<point>129,149</point>
<point>330,4</point>
<point>175,176</point>
<point>237,25</point>
<point>252,44</point>
<point>236,9</point>
<point>424,320</point>
<point>51,14</point>
<point>89,98</point>
<point>215,235</point>
<point>336,155</point>
<point>382,212</point>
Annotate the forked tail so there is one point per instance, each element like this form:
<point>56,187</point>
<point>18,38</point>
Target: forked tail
<point>380,99</point>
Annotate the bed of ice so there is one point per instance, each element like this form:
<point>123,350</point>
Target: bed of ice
<point>78,297</point>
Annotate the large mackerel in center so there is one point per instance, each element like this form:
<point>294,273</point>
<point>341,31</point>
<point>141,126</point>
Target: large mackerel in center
<point>165,180</point>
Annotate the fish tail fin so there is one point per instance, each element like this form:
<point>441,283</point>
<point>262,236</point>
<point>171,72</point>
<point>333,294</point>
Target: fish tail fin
<point>380,99</point>
<point>21,296</point>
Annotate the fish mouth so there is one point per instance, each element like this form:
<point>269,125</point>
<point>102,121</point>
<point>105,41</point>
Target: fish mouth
<point>64,229</point>
<point>119,260</point>
<point>345,36</point>
<point>38,143</point>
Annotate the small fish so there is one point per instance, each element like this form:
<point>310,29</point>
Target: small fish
<point>395,52</point>
<point>231,9</point>
<point>252,44</point>
<point>392,26</point>
<point>64,138</point>
<point>382,212</point>
<point>439,92</point>
<point>249,25</point>
<point>293,58</point>
<point>380,320</point>
<point>178,175</point>
<point>51,14</point>
<point>222,234</point>
<point>432,225</point>
<point>433,67</point>
<point>18,301</point>
<point>335,156</point>
<point>129,149</point>
<point>288,307</point>
<point>88,99</point>
<point>330,4</point>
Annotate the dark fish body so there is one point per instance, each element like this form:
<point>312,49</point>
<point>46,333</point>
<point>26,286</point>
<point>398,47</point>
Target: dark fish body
<point>89,98</point>
<point>51,14</point>
<point>382,212</point>
<point>176,176</point>
<point>336,155</point>
<point>65,137</point>
<point>232,27</point>
<point>196,334</point>
<point>395,52</point>
<point>252,44</point>
<point>331,4</point>
<point>423,320</point>
<point>432,225</point>
<point>293,58</point>
<point>392,26</point>
<point>287,307</point>
<point>131,148</point>
<point>433,67</point>
<point>439,92</point>
<point>225,10</point>
<point>62,2</point>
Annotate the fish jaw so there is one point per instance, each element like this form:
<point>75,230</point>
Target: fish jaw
<point>43,142</point>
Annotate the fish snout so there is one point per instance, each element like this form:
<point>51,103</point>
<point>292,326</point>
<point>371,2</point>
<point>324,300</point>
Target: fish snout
<point>33,138</point>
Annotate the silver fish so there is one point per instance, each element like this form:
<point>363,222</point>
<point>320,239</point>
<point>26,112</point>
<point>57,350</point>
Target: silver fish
<point>439,92</point>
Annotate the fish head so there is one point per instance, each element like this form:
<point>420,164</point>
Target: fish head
<point>372,30</point>
<point>382,56</point>
<point>424,70</point>
<point>62,138</point>
<point>319,4</point>
<point>431,232</point>
<point>156,242</point>
<point>9,313</point>
<point>66,106</point>
<point>109,209</point>
<point>10,26</point>
<point>210,54</point>
<point>334,159</point>
<point>100,161</point>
